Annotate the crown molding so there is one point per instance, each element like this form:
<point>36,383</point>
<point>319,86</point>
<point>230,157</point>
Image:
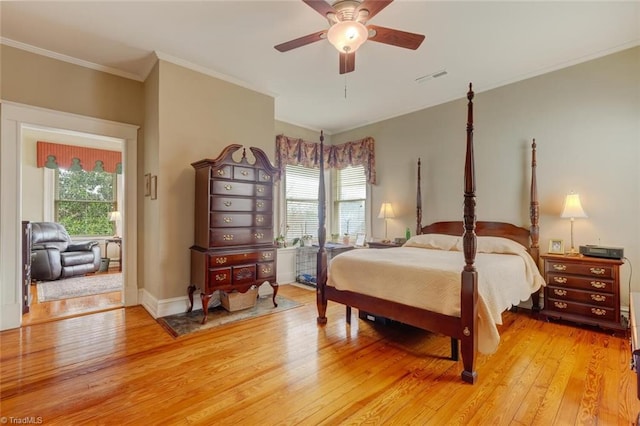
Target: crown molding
<point>69,59</point>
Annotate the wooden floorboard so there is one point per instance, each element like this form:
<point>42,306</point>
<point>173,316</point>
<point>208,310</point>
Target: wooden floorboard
<point>122,367</point>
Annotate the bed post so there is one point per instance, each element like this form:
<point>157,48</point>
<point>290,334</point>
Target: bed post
<point>321,264</point>
<point>419,204</point>
<point>534,230</point>
<point>469,290</point>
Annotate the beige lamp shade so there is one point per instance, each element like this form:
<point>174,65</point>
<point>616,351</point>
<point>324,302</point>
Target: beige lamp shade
<point>386,211</point>
<point>573,207</point>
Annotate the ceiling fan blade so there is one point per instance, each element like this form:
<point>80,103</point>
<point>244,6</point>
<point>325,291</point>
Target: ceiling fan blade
<point>373,6</point>
<point>347,62</point>
<point>320,6</point>
<point>302,41</point>
<point>395,37</point>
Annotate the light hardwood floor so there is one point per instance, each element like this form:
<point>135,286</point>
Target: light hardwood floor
<point>122,367</point>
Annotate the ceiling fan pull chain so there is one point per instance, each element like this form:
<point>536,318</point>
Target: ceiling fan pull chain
<point>345,86</point>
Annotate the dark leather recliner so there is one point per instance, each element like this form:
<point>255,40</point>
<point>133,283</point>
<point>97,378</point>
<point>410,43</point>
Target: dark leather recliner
<point>55,256</point>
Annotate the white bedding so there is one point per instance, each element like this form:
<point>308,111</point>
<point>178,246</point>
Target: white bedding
<point>425,273</point>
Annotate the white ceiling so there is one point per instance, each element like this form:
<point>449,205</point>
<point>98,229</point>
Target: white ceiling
<point>487,43</point>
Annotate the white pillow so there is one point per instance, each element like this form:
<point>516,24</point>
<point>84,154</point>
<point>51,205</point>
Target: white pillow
<point>496,245</point>
<point>434,241</point>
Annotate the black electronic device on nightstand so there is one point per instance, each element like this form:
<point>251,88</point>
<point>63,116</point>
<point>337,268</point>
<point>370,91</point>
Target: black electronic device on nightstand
<point>593,250</point>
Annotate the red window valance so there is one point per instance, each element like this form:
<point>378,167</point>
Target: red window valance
<point>70,157</point>
<point>298,152</point>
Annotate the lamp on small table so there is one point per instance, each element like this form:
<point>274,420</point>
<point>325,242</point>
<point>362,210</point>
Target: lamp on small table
<point>572,210</point>
<point>386,212</point>
<point>115,218</point>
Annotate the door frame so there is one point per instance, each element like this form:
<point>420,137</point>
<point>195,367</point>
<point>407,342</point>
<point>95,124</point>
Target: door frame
<point>14,117</point>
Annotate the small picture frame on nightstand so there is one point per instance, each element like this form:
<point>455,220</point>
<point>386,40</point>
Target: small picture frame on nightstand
<point>360,237</point>
<point>556,246</point>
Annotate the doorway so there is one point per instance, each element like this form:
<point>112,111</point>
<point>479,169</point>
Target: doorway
<point>15,119</point>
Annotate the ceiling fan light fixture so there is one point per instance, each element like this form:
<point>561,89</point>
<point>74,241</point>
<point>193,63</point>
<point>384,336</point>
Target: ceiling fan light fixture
<point>347,36</point>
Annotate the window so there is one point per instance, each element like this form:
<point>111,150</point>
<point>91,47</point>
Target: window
<point>349,204</point>
<point>83,201</point>
<point>301,199</point>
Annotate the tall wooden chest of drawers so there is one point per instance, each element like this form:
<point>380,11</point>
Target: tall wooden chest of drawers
<point>582,289</point>
<point>234,239</point>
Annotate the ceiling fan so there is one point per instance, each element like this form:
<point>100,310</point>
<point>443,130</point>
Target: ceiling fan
<point>347,30</point>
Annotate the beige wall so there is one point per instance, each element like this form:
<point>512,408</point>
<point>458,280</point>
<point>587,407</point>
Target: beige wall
<point>198,117</point>
<point>48,83</point>
<point>586,121</point>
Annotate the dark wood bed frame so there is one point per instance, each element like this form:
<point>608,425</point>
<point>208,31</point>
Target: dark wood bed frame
<point>461,329</point>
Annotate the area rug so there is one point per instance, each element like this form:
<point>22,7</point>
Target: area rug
<point>189,322</point>
<point>77,287</point>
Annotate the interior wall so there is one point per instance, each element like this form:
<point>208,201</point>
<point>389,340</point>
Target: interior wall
<point>586,122</point>
<point>198,117</point>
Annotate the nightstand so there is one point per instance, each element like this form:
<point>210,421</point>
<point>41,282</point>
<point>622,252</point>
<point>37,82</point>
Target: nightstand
<point>380,244</point>
<point>582,289</point>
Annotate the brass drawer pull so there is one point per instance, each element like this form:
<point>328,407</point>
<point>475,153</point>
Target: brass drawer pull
<point>598,311</point>
<point>260,190</point>
<point>258,235</point>
<point>598,297</point>
<point>266,255</point>
<point>221,260</point>
<point>598,284</point>
<point>227,220</point>
<point>597,271</point>
<point>244,173</point>
<point>227,203</point>
<point>266,270</point>
<point>227,237</point>
<point>259,219</point>
<point>561,280</point>
<point>559,267</point>
<point>560,305</point>
<point>559,292</point>
<point>220,172</point>
<point>266,177</point>
<point>228,187</point>
<point>221,277</point>
<point>260,204</point>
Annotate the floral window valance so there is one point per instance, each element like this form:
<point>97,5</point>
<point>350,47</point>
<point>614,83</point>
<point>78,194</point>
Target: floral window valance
<point>70,157</point>
<point>299,152</point>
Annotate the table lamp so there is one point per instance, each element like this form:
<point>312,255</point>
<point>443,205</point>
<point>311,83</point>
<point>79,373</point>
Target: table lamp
<point>386,212</point>
<point>572,209</point>
<point>115,218</point>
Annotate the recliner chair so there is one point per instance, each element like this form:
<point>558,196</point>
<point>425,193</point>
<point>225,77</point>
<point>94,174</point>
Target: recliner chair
<point>55,256</point>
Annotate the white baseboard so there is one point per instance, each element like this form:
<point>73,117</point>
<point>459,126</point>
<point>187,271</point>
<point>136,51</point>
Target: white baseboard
<point>176,305</point>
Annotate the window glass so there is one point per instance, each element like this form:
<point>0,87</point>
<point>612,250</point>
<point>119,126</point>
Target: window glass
<point>301,199</point>
<point>83,201</point>
<point>349,205</point>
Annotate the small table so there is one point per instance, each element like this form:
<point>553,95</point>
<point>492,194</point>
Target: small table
<point>118,242</point>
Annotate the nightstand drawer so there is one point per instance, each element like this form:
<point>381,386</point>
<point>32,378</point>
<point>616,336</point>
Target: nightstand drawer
<point>593,312</point>
<point>568,267</point>
<point>588,297</point>
<point>585,283</point>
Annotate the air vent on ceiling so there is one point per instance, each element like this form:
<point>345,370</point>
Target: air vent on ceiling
<point>427,77</point>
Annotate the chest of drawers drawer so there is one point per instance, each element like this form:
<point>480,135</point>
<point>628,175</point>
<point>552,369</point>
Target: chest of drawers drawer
<point>219,237</point>
<point>229,220</point>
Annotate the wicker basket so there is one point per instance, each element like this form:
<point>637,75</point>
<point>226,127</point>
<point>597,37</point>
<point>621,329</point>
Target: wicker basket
<point>236,301</point>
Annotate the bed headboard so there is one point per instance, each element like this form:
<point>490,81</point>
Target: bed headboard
<point>527,237</point>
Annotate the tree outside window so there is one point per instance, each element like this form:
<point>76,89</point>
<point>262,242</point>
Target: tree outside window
<point>83,201</point>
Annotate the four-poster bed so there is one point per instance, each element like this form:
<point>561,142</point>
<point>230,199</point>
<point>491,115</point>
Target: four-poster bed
<point>468,310</point>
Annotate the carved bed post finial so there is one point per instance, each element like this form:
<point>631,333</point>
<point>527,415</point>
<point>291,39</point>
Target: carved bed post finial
<point>419,203</point>
<point>321,264</point>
